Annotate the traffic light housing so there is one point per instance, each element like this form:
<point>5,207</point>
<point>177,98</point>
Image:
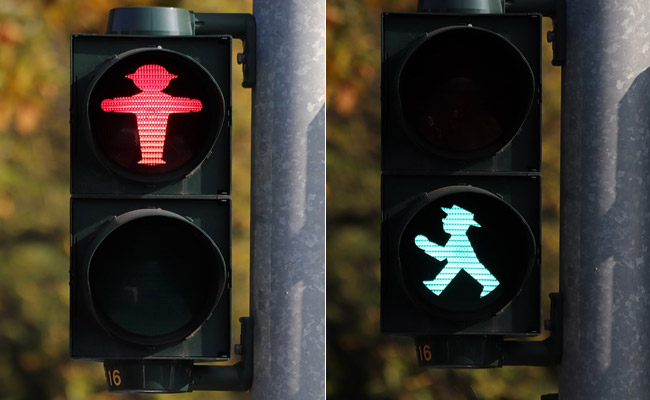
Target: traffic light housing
<point>150,273</point>
<point>460,196</point>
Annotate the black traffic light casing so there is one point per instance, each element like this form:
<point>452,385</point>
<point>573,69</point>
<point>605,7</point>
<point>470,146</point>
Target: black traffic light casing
<point>150,272</point>
<point>461,107</point>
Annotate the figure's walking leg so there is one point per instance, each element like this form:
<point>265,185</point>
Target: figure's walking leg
<point>484,277</point>
<point>443,279</point>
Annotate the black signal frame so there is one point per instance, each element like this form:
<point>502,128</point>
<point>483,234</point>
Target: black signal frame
<point>207,336</point>
<point>509,170</point>
<point>172,204</point>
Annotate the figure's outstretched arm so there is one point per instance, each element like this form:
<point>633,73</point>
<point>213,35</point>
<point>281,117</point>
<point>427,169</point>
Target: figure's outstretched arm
<point>120,105</point>
<point>432,249</point>
<point>183,105</point>
<point>161,103</point>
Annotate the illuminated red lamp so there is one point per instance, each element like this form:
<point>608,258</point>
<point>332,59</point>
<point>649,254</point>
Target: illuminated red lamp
<point>151,108</point>
<point>134,130</point>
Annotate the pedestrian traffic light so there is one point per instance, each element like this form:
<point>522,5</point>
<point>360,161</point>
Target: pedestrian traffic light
<point>460,196</point>
<point>150,273</point>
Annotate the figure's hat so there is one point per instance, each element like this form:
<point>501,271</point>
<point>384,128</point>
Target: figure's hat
<point>151,77</point>
<point>460,216</point>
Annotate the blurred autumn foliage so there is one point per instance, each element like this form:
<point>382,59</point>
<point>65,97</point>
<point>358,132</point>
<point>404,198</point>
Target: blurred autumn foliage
<point>34,196</point>
<point>361,363</point>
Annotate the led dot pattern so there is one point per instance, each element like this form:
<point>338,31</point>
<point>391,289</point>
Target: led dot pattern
<point>458,252</point>
<point>152,108</point>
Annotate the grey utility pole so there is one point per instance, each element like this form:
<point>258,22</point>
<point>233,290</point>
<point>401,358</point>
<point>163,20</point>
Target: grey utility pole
<point>605,237</point>
<point>288,201</point>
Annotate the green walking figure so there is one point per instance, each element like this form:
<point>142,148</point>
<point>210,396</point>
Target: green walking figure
<point>458,252</point>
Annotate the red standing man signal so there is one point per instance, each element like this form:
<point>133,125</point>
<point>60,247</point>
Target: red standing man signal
<point>152,108</point>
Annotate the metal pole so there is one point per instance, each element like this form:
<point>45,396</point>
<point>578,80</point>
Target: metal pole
<point>605,232</point>
<point>288,201</point>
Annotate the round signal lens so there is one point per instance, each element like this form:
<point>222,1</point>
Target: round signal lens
<point>154,115</point>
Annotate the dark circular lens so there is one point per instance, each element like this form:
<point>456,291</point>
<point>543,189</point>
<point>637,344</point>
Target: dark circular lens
<point>155,279</point>
<point>154,115</point>
<point>465,92</point>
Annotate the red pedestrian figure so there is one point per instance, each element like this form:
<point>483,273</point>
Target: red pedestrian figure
<point>152,108</point>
